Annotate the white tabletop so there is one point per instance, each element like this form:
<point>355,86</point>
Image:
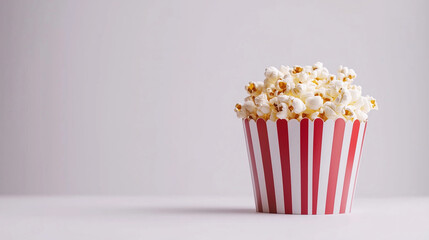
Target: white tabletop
<point>202,218</point>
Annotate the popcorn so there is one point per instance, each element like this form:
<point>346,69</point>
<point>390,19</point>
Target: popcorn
<point>349,112</point>
<point>300,88</point>
<point>314,115</point>
<point>264,109</point>
<point>355,93</point>
<point>282,115</point>
<point>285,98</point>
<point>261,99</point>
<point>331,77</point>
<point>249,106</point>
<point>306,92</point>
<point>317,65</point>
<point>314,103</point>
<point>366,106</point>
<point>351,74</point>
<point>373,103</point>
<point>344,98</point>
<point>285,85</point>
<point>329,110</point>
<point>298,106</point>
<point>285,70</point>
<point>341,76</point>
<point>254,88</point>
<point>361,115</point>
<point>272,73</point>
<point>241,112</point>
<point>297,69</point>
<point>271,92</point>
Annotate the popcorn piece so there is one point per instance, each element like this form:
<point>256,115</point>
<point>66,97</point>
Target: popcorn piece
<point>355,94</point>
<point>285,99</point>
<point>300,88</point>
<point>341,76</point>
<point>262,98</point>
<point>298,106</point>
<point>314,115</point>
<point>314,103</point>
<point>272,73</point>
<point>349,113</point>
<point>254,88</point>
<point>317,65</point>
<point>323,74</point>
<point>374,104</point>
<point>271,92</point>
<point>328,110</point>
<point>344,98</point>
<point>332,77</point>
<point>282,114</point>
<point>306,95</point>
<point>249,106</point>
<point>264,109</point>
<point>366,106</point>
<point>351,74</point>
<point>241,112</point>
<point>285,70</point>
<point>297,69</point>
<point>361,116</point>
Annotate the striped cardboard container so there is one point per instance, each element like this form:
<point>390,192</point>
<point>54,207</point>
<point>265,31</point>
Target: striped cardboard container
<point>306,167</point>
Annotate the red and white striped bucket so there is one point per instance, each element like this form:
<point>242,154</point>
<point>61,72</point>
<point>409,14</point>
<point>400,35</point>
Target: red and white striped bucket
<point>306,167</point>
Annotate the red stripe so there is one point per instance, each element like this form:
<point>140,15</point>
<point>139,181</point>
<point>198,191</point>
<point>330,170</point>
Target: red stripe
<point>304,165</point>
<point>266,161</point>
<point>349,166</point>
<point>253,162</point>
<point>335,164</point>
<point>317,149</point>
<point>282,132</point>
<point>357,169</point>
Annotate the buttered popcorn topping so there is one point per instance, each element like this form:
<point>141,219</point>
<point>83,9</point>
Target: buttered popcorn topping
<point>305,92</point>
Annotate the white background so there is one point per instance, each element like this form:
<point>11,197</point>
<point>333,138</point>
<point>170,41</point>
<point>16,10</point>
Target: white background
<point>137,97</point>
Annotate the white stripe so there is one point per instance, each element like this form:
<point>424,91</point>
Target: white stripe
<point>325,163</point>
<point>250,163</point>
<point>310,166</point>
<point>354,169</point>
<point>295,164</point>
<point>342,167</point>
<point>259,165</point>
<point>276,165</point>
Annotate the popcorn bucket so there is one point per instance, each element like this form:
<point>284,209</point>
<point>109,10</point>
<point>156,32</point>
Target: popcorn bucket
<point>306,167</point>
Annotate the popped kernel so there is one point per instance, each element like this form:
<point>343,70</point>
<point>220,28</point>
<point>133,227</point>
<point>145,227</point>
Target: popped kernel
<point>262,98</point>
<point>251,87</point>
<point>281,85</point>
<point>317,65</point>
<point>264,109</point>
<point>254,88</point>
<point>249,106</point>
<point>241,113</point>
<point>373,103</point>
<point>238,107</point>
<point>314,103</point>
<point>272,73</point>
<point>285,70</point>
<point>298,105</point>
<point>297,69</point>
<point>315,115</point>
<point>271,92</point>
